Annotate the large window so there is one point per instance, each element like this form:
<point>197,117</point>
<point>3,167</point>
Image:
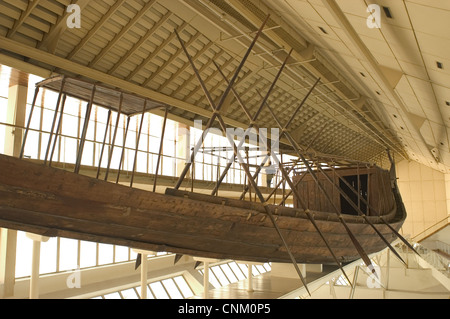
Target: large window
<point>170,288</point>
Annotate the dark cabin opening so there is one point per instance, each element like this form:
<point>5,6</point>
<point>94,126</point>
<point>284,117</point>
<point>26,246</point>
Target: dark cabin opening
<point>346,207</point>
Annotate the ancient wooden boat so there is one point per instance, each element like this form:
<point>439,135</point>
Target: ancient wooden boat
<point>53,202</point>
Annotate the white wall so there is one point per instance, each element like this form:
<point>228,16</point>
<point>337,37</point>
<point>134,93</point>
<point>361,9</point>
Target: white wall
<point>426,195</point>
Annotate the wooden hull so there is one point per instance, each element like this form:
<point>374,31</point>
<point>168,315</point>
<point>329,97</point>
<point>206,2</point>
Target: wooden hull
<point>53,202</point>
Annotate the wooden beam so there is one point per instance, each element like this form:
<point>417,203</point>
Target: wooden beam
<point>25,14</point>
<point>70,66</point>
<point>170,60</point>
<point>156,51</point>
<point>180,70</point>
<point>141,41</point>
<point>50,40</point>
<point>303,55</point>
<point>122,32</point>
<point>97,26</point>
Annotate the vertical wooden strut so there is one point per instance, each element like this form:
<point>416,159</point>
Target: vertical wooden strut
<point>217,115</point>
<point>36,92</point>
<point>123,149</point>
<point>114,137</point>
<point>103,144</point>
<point>58,129</point>
<point>137,144</point>
<point>358,209</point>
<point>252,122</point>
<point>85,128</point>
<point>222,100</point>
<point>58,102</point>
<point>355,242</point>
<point>161,144</point>
<point>286,175</point>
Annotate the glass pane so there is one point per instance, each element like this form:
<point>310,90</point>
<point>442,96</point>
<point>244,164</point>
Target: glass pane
<point>244,269</point>
<point>261,269</point>
<point>48,256</point>
<point>121,253</point>
<point>255,271</point>
<point>237,271</point>
<point>149,293</point>
<point>184,287</point>
<point>212,279</point>
<point>88,254</point>
<point>220,275</point>
<point>68,254</point>
<point>129,294</point>
<point>158,290</point>
<point>114,295</point>
<point>227,270</point>
<point>24,255</point>
<point>172,289</point>
<point>105,254</point>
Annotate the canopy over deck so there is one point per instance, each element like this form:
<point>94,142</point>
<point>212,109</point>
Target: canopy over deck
<point>104,96</point>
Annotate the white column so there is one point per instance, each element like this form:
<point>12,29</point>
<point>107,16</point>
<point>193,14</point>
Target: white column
<point>17,98</point>
<point>144,279</point>
<point>250,272</point>
<point>144,270</point>
<point>34,279</point>
<point>206,281</point>
<point>250,278</point>
<point>206,262</point>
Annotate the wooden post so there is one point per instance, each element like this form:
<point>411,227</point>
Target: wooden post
<point>103,144</point>
<point>58,129</point>
<point>222,99</point>
<point>84,132</point>
<point>114,137</point>
<point>137,144</point>
<point>58,102</point>
<point>36,92</point>
<point>161,144</point>
<point>123,149</point>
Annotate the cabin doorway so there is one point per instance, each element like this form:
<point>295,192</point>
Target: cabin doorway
<point>346,207</point>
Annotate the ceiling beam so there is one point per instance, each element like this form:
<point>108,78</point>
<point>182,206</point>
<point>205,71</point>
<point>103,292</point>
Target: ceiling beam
<point>50,39</point>
<point>147,60</point>
<point>205,48</point>
<point>122,32</point>
<point>170,60</point>
<point>141,41</point>
<point>25,14</point>
<point>385,137</point>
<point>73,67</point>
<point>112,10</point>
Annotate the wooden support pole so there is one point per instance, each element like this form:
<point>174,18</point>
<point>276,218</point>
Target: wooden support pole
<point>103,144</point>
<point>22,150</point>
<point>123,149</point>
<point>58,129</point>
<point>84,132</point>
<point>241,161</point>
<point>222,99</point>
<point>114,137</point>
<point>137,144</point>
<point>58,102</point>
<point>161,145</point>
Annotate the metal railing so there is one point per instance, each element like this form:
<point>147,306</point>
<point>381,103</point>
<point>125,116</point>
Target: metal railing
<point>436,260</point>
